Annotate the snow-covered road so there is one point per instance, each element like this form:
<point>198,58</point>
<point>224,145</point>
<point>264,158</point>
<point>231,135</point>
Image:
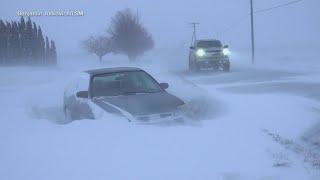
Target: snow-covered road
<point>248,124</point>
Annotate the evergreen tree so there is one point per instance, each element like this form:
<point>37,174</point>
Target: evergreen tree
<point>53,53</point>
<point>28,41</point>
<point>15,42</point>
<point>3,42</point>
<point>22,29</point>
<point>23,43</point>
<point>47,51</point>
<point>34,43</point>
<point>9,42</point>
<point>41,46</point>
<point>22,24</point>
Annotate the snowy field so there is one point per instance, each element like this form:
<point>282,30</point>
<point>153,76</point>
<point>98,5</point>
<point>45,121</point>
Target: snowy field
<point>256,122</point>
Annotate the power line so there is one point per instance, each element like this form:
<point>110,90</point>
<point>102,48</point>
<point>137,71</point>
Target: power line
<point>275,7</point>
<point>252,25</point>
<point>238,22</point>
<point>255,12</point>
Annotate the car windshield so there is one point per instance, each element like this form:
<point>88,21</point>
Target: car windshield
<point>209,44</point>
<point>123,83</point>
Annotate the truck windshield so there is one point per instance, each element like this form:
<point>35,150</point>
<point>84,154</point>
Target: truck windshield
<point>209,44</point>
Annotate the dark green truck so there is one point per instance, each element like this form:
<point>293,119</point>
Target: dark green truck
<point>209,54</point>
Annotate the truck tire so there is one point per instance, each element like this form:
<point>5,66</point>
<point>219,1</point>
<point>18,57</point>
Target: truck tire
<point>194,67</point>
<point>226,68</point>
<point>190,66</point>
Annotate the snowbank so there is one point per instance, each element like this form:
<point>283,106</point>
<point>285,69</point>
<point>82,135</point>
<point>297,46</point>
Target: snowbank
<point>225,141</point>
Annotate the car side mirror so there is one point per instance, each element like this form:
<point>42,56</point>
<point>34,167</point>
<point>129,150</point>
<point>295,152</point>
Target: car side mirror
<point>192,47</point>
<point>82,94</point>
<point>226,46</point>
<point>164,86</point>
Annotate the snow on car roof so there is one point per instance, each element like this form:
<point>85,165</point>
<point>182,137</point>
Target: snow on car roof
<point>111,70</point>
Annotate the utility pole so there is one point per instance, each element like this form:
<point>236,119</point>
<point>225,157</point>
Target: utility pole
<point>194,35</point>
<point>252,33</point>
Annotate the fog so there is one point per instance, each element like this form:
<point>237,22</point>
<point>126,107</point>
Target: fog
<point>289,28</point>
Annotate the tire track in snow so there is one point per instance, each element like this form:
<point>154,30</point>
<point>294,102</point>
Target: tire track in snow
<point>308,156</point>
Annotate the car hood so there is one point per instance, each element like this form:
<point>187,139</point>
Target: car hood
<point>140,104</point>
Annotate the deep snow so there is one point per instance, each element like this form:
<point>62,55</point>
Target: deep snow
<point>246,124</point>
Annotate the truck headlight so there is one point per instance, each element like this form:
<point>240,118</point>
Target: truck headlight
<point>226,51</point>
<point>200,52</point>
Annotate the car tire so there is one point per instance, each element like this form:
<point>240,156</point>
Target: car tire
<point>68,116</point>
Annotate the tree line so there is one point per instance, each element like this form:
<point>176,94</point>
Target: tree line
<point>125,35</point>
<point>22,43</point>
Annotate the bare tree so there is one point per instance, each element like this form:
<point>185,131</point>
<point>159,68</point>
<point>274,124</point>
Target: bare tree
<point>99,45</point>
<point>128,35</point>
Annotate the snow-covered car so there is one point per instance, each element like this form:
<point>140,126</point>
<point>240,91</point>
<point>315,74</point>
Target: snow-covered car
<point>209,54</point>
<point>126,91</point>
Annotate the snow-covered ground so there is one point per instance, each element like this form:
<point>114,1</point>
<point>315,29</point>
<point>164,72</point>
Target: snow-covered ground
<point>251,123</point>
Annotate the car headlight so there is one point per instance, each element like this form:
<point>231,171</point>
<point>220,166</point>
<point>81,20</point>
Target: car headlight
<point>200,52</point>
<point>226,51</point>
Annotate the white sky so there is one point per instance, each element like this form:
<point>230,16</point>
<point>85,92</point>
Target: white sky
<point>295,25</point>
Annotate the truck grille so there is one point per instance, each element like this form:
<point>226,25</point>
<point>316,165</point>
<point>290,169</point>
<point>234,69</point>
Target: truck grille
<point>214,51</point>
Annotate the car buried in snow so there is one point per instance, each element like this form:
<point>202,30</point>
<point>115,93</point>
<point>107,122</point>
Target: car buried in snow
<point>208,54</point>
<point>127,91</point>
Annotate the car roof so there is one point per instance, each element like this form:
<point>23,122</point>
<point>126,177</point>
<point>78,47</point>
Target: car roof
<point>93,72</point>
